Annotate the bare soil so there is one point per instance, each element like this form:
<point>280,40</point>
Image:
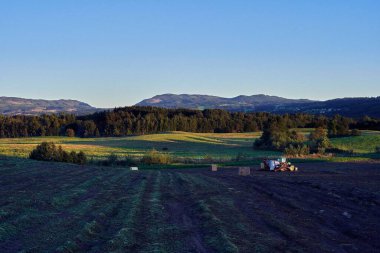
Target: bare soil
<point>325,207</point>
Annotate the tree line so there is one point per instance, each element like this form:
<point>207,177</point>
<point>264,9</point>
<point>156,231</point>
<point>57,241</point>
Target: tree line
<point>145,120</point>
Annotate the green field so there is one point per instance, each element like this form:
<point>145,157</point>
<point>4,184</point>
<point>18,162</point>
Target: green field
<point>180,145</point>
<point>366,143</point>
<point>184,147</point>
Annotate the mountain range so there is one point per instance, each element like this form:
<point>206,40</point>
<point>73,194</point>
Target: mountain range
<point>23,106</point>
<point>350,107</point>
<point>240,103</point>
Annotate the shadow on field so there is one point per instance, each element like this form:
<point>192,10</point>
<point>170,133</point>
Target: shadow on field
<point>195,147</point>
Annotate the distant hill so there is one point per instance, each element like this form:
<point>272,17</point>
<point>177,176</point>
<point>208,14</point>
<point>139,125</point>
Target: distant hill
<point>350,107</point>
<point>15,106</point>
<point>239,103</point>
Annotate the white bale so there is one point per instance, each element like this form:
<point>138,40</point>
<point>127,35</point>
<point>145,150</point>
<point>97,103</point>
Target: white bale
<point>134,168</point>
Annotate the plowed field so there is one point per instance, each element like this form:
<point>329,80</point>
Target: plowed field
<point>326,207</point>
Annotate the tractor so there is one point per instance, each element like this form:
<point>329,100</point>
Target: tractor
<point>276,165</point>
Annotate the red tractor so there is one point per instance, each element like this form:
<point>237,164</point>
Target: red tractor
<point>279,164</point>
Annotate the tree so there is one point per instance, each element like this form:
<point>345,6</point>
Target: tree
<point>319,140</point>
<point>275,136</point>
<point>339,126</point>
<point>318,133</point>
<point>48,151</point>
<point>70,132</point>
<point>81,158</point>
<point>140,120</point>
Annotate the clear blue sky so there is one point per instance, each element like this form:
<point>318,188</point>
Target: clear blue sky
<point>116,52</point>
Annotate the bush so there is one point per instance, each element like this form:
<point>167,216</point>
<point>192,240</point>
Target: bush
<point>155,157</point>
<point>114,160</point>
<point>48,151</point>
<point>377,149</point>
<point>297,149</point>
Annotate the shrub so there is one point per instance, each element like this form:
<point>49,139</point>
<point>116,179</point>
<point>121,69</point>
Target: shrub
<point>115,160</point>
<point>155,157</point>
<point>297,149</point>
<point>377,149</point>
<point>48,151</point>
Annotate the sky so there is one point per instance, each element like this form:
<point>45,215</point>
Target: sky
<point>112,53</point>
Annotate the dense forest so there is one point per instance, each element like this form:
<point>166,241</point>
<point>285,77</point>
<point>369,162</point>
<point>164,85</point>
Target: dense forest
<point>143,120</point>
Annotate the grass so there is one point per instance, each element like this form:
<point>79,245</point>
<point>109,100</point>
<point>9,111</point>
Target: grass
<point>180,145</point>
<point>366,143</point>
<point>187,148</point>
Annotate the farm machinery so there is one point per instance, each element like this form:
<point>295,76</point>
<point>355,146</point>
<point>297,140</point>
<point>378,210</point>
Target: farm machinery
<point>276,165</point>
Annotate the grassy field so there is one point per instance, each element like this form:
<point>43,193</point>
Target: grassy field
<point>366,143</point>
<point>182,146</point>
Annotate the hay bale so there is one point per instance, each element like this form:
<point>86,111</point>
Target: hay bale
<point>214,167</point>
<point>134,168</point>
<point>244,171</point>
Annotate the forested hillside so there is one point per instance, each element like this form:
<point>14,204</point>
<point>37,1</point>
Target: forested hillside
<point>143,120</point>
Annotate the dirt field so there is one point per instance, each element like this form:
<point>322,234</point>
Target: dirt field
<point>328,207</point>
